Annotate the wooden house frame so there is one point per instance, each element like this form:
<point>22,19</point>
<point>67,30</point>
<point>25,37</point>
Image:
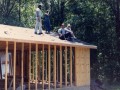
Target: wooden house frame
<point>42,61</point>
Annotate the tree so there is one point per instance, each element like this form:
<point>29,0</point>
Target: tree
<point>94,21</point>
<point>6,8</point>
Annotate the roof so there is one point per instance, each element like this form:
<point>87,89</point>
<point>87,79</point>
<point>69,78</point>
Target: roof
<point>26,35</point>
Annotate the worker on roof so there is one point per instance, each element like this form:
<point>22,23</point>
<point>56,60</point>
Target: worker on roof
<point>39,14</point>
<point>68,29</point>
<point>47,22</point>
<point>65,33</point>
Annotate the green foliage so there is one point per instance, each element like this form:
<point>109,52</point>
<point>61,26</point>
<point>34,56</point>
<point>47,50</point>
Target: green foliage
<point>93,21</point>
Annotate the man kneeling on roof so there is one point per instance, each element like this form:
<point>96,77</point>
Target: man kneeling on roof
<point>66,33</point>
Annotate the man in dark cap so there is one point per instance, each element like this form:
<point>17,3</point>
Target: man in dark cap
<point>39,14</point>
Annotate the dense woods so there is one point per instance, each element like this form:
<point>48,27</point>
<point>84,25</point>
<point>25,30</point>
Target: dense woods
<point>93,21</point>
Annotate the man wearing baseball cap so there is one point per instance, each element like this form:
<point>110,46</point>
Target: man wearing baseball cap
<point>39,14</point>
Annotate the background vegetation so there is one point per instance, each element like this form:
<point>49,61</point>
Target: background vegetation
<point>94,21</point>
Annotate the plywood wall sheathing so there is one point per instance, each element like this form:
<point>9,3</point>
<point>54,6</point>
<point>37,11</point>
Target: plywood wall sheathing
<point>82,66</point>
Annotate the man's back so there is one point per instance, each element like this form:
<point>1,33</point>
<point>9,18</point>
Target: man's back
<point>39,13</point>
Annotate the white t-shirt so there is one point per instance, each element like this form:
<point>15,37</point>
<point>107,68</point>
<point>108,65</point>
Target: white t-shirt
<point>39,13</point>
<point>62,31</point>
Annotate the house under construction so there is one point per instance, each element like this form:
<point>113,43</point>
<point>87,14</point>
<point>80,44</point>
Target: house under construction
<point>34,62</point>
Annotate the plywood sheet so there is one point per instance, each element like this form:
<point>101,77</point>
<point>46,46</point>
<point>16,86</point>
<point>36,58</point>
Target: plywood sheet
<point>20,34</point>
<point>82,66</point>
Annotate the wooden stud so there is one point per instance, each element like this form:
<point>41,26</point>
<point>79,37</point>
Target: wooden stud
<point>49,69</point>
<point>33,62</point>
<point>54,67</point>
<point>29,66</point>
<point>11,63</point>
<point>65,65</point>
<point>46,64</point>
<point>88,66</point>
<point>0,71</point>
<point>22,66</point>
<point>57,64</point>
<point>36,68</point>
<point>43,66</point>
<point>14,72</point>
<point>71,66</point>
<point>75,66</point>
<point>39,69</point>
<point>6,65</point>
<point>61,66</point>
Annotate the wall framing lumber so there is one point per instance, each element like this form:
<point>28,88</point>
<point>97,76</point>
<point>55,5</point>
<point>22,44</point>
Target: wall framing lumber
<point>43,66</point>
<point>71,66</point>
<point>6,65</point>
<point>33,68</point>
<point>54,67</point>
<point>46,64</point>
<point>49,69</point>
<point>51,63</point>
<point>60,66</point>
<point>14,71</point>
<point>29,66</point>
<point>57,65</point>
<point>22,57</point>
<point>36,68</point>
<point>65,66</point>
<point>47,42</point>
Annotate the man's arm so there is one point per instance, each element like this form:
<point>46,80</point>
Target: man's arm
<point>41,13</point>
<point>59,32</point>
<point>67,30</point>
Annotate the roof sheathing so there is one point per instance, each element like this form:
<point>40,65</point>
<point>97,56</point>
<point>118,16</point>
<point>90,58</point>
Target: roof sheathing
<point>26,35</point>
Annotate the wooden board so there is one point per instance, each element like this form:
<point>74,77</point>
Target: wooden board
<point>36,68</point>
<point>22,65</point>
<point>14,70</point>
<point>65,66</point>
<point>49,67</point>
<point>6,63</point>
<point>71,66</point>
<point>43,66</point>
<point>54,67</point>
<point>29,66</point>
<point>82,66</point>
<point>61,66</point>
<point>26,35</point>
